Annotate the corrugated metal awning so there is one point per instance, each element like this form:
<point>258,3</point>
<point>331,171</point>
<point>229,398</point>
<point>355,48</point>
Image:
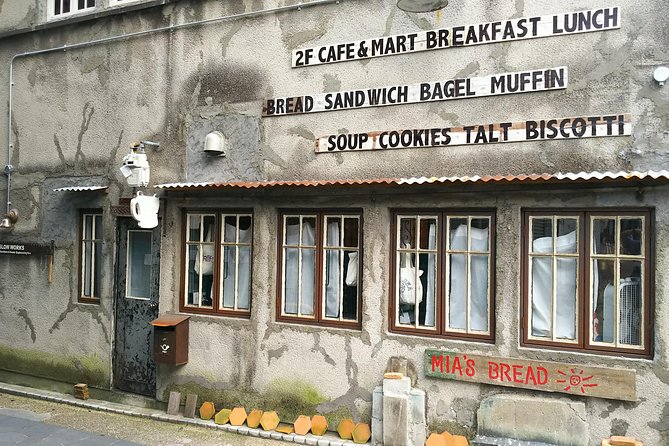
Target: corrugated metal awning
<point>661,176</point>
<point>81,189</point>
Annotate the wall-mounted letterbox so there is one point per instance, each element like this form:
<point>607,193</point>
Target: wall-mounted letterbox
<point>170,339</point>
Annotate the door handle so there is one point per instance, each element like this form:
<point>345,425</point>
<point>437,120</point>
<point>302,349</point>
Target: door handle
<point>153,304</point>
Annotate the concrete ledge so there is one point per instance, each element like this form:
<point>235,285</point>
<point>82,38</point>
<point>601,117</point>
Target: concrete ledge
<point>326,440</point>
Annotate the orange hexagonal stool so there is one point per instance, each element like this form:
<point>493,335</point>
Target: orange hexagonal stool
<point>207,410</point>
<point>302,425</point>
<point>237,416</point>
<point>253,419</point>
<point>437,440</point>
<point>223,416</point>
<point>319,425</point>
<point>459,440</point>
<point>269,420</point>
<point>345,429</point>
<point>361,433</point>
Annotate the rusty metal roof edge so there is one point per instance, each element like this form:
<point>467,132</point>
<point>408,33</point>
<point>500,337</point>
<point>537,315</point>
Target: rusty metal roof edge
<point>543,177</point>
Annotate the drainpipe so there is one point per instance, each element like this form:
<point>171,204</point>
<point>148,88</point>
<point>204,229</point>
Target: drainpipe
<point>10,137</point>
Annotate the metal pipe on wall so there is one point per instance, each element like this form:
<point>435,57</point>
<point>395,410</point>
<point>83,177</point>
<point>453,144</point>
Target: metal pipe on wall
<point>10,146</point>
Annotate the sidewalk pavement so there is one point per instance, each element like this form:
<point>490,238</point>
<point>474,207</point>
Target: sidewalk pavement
<point>328,439</point>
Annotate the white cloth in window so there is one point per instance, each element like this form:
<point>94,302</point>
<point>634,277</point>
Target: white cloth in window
<point>430,296</point>
<point>542,288</point>
<point>332,297</point>
<point>292,270</point>
<point>458,280</point>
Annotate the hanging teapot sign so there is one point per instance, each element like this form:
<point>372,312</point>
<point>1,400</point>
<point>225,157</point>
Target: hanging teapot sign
<point>144,209</point>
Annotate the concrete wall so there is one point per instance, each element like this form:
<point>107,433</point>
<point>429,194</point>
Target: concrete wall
<point>76,112</point>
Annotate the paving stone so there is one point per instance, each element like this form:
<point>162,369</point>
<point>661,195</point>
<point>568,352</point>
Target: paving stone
<point>323,442</point>
<point>397,386</point>
<point>311,440</point>
<point>301,439</point>
<point>395,420</point>
<point>537,419</point>
<point>276,435</point>
<point>254,432</point>
<point>377,402</point>
<point>265,434</point>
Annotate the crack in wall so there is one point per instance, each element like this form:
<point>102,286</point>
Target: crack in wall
<point>23,314</point>
<point>317,348</point>
<point>59,149</point>
<point>86,120</point>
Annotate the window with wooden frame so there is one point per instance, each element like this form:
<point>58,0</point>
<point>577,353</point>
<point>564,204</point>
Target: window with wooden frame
<point>443,265</point>
<point>587,280</point>
<point>319,276</point>
<point>90,256</point>
<point>61,8</point>
<point>217,266</point>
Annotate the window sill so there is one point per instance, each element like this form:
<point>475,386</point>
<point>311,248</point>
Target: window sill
<point>318,325</point>
<point>550,351</point>
<point>479,340</point>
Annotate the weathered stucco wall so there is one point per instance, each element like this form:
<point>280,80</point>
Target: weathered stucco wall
<point>76,112</point>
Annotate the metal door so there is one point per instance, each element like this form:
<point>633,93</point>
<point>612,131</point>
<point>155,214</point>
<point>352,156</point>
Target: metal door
<point>137,278</point>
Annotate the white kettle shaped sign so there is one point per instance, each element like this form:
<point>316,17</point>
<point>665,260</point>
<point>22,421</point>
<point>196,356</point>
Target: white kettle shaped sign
<point>144,209</point>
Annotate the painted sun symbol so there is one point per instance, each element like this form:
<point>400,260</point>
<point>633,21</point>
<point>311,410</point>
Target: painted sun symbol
<point>576,380</point>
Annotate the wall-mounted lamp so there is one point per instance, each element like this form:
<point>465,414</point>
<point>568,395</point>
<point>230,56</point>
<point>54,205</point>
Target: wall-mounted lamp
<point>421,5</point>
<point>135,168</point>
<point>10,219</point>
<point>661,74</point>
<point>215,144</point>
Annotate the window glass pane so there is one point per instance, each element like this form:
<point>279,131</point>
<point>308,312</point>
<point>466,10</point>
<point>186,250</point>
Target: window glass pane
<point>209,224</point>
<point>88,227</point>
<point>98,227</point>
<point>426,292</point>
<point>245,230</point>
<point>406,288</point>
<point>56,9</point>
<point>458,234</point>
<point>542,235</point>
<point>308,231</point>
<point>192,279</point>
<point>230,229</point>
<point>631,234</point>
<point>480,234</point>
<point>480,230</point>
<point>478,311</point>
<point>604,235</point>
<point>292,229</point>
<point>541,294</point>
<point>351,266</point>
<point>630,304</point>
<point>332,276</point>
<point>194,227</point>
<point>308,277</point>
<point>407,233</point>
<point>90,3</point>
<point>66,6</point>
<point>244,278</point>
<point>457,297</point>
<point>428,236</point>
<point>351,232</point>
<point>88,259</point>
<point>603,300</point>
<point>228,274</point>
<point>332,228</point>
<point>566,242</point>
<point>98,269</point>
<point>290,291</point>
<point>139,264</point>
<point>566,298</point>
<point>81,4</point>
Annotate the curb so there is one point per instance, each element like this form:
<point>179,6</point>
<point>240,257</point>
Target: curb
<point>154,414</point>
